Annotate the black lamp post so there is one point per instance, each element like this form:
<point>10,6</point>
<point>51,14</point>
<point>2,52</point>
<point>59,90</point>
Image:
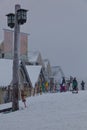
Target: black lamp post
<point>14,21</point>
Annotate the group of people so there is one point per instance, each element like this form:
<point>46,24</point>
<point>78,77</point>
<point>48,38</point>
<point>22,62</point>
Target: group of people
<point>72,85</point>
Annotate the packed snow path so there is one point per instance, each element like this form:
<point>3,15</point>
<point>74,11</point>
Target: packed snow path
<point>51,111</point>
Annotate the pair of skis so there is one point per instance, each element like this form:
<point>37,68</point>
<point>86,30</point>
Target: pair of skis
<point>74,91</point>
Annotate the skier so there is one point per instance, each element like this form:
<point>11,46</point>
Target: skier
<point>82,84</point>
<point>75,85</point>
<point>63,85</point>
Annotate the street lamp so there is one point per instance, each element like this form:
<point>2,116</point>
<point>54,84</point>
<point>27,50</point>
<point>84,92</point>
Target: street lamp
<point>11,20</point>
<point>14,21</point>
<point>21,16</point>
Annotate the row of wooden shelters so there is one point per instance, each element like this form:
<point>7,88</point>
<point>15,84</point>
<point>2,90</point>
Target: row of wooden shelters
<point>33,69</point>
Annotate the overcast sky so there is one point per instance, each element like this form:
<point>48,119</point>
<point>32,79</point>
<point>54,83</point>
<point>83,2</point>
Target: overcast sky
<point>57,28</point>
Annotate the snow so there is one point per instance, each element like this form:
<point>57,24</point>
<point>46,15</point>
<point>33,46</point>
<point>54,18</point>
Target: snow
<point>5,72</point>
<point>51,111</point>
<point>33,56</point>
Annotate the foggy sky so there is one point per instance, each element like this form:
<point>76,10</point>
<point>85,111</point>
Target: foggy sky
<point>57,28</point>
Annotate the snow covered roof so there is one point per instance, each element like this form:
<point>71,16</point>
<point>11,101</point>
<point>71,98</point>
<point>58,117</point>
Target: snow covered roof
<point>5,72</point>
<point>34,72</point>
<point>33,56</point>
<point>46,62</point>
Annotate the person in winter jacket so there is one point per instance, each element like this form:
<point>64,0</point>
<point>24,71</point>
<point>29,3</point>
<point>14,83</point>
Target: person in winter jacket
<point>75,84</point>
<point>82,85</point>
<point>63,85</point>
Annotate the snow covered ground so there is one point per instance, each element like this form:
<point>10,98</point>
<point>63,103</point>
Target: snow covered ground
<point>51,111</point>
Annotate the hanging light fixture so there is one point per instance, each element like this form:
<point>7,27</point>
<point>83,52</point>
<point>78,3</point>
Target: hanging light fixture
<point>11,20</point>
<point>22,16</point>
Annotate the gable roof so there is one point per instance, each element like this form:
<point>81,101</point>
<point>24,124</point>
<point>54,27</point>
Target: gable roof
<point>34,72</point>
<point>23,66</point>
<point>5,72</point>
<point>33,56</point>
